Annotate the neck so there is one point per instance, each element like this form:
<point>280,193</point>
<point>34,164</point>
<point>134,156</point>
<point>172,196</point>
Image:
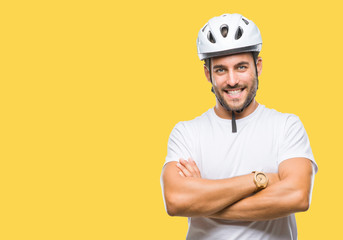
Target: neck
<point>223,113</point>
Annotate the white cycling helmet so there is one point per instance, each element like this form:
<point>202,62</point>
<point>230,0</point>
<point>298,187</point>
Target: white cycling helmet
<point>228,34</point>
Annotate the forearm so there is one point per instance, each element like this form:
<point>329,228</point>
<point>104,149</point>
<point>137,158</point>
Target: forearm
<point>201,197</point>
<point>273,202</point>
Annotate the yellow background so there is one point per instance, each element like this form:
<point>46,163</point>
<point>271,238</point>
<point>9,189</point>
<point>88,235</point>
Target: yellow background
<point>90,91</point>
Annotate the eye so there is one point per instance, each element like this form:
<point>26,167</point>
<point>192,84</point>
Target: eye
<point>219,70</point>
<point>242,67</point>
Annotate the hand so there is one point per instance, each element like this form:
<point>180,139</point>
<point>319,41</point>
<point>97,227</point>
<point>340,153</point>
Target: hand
<point>188,168</point>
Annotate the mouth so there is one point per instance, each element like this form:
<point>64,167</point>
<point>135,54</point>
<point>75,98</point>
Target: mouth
<point>234,93</point>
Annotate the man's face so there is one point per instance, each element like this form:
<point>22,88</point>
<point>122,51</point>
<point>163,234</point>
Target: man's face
<point>234,80</point>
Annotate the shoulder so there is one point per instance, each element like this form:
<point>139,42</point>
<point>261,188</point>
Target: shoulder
<point>196,123</point>
<point>288,126</point>
<point>185,134</point>
<point>280,123</point>
<point>279,117</point>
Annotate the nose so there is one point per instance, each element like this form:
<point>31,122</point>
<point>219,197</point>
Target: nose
<point>232,79</point>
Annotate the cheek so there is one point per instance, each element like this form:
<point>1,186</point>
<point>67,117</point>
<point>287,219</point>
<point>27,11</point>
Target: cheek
<point>248,79</point>
<point>218,81</point>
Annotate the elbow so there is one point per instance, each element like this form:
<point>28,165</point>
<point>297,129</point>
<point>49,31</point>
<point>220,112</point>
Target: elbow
<point>181,205</point>
<point>302,201</point>
<point>173,205</point>
<point>171,208</point>
<point>304,205</point>
<point>171,211</point>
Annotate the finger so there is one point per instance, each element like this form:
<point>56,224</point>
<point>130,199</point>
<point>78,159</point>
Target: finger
<point>189,167</point>
<point>184,170</point>
<point>195,167</point>
<point>181,173</point>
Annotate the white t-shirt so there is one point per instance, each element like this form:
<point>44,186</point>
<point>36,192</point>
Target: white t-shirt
<point>263,140</point>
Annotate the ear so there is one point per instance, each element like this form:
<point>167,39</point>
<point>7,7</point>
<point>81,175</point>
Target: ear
<point>259,65</point>
<point>207,73</point>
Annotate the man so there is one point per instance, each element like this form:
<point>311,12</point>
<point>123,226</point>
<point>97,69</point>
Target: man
<point>240,170</point>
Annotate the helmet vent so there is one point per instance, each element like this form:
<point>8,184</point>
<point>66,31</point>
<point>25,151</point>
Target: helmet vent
<point>210,37</point>
<point>239,33</point>
<point>203,29</point>
<point>224,30</point>
<point>245,21</point>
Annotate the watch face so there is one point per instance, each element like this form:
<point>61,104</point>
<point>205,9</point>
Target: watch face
<point>261,178</point>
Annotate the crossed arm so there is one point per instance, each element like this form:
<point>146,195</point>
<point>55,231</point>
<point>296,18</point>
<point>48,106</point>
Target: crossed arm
<point>187,194</point>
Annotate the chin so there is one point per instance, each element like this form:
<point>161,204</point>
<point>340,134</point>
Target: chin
<point>236,107</point>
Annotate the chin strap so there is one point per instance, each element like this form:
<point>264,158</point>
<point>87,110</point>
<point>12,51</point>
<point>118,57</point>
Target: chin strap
<point>233,121</point>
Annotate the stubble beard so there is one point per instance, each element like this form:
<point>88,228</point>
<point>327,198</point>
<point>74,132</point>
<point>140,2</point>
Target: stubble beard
<point>248,100</point>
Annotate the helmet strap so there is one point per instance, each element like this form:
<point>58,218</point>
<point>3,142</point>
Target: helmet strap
<point>254,56</point>
<point>233,122</point>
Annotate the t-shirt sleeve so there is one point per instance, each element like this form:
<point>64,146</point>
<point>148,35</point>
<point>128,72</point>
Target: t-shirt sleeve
<point>295,142</point>
<point>179,143</point>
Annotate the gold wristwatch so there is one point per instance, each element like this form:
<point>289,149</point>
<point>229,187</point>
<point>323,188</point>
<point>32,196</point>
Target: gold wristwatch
<point>260,180</point>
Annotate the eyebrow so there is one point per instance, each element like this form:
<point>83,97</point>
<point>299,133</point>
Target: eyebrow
<point>218,66</point>
<point>242,63</point>
<point>238,64</point>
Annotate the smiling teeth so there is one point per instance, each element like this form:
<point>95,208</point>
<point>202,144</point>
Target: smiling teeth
<point>235,92</point>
